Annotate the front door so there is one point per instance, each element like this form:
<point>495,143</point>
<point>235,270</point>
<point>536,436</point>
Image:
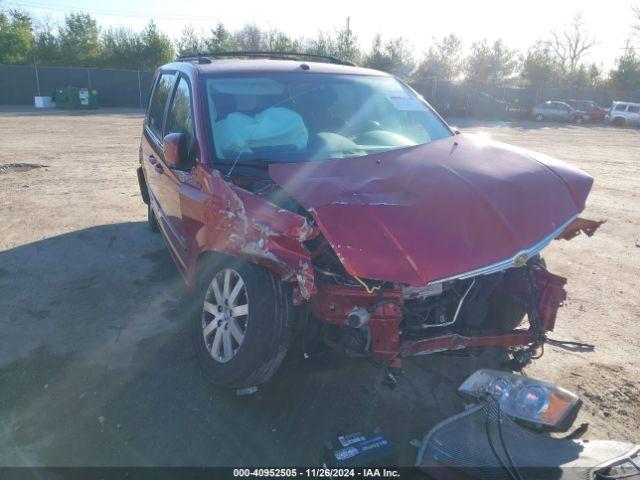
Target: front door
<point>153,133</point>
<point>170,179</point>
<point>162,181</point>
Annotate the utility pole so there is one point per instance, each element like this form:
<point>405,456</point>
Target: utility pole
<point>348,27</point>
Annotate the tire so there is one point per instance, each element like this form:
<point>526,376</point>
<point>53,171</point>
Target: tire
<point>152,221</point>
<point>539,117</point>
<point>245,348</point>
<point>618,122</point>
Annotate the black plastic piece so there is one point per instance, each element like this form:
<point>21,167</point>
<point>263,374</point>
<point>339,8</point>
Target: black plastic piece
<point>143,186</point>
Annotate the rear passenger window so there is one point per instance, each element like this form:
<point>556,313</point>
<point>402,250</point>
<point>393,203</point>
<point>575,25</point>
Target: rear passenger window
<point>180,119</point>
<point>620,108</point>
<point>158,102</point>
<point>633,109</point>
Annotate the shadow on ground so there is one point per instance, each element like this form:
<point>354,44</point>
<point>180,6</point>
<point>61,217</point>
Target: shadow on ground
<point>99,370</point>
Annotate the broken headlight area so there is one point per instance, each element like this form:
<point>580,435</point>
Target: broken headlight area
<point>539,404</point>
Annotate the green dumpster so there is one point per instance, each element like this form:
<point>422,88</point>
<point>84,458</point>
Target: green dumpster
<point>75,97</point>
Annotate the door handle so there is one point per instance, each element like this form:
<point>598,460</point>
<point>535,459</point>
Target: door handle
<point>152,159</point>
<point>158,168</point>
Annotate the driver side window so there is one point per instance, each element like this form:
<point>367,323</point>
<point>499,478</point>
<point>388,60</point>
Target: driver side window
<point>158,102</point>
<point>180,119</point>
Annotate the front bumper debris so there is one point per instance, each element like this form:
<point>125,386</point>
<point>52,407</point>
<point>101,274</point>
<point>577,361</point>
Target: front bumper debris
<point>334,303</point>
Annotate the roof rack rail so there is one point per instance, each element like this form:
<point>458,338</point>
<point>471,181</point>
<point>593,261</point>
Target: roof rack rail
<point>206,57</point>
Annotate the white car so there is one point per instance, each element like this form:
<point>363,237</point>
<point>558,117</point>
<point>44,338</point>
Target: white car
<point>624,113</point>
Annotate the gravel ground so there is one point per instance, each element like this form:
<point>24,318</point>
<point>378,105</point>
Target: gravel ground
<point>95,362</point>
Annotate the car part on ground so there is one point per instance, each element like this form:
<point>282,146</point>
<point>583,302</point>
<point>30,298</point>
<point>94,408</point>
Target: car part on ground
<point>399,236</point>
<point>359,449</point>
<point>538,404</point>
<point>484,442</point>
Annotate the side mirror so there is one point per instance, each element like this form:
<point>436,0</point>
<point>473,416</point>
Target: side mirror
<point>175,150</point>
<point>455,130</point>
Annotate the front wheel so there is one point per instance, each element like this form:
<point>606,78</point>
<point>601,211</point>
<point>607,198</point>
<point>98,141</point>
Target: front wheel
<point>241,331</point>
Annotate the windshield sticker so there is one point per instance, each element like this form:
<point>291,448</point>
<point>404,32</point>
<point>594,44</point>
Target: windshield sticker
<point>406,103</point>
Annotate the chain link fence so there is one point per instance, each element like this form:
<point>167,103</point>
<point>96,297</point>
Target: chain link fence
<point>116,88</point>
<point>130,88</point>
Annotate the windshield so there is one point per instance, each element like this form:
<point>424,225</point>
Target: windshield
<point>295,117</point>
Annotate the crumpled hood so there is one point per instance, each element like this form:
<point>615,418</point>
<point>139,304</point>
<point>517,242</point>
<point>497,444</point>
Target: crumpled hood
<point>437,210</point>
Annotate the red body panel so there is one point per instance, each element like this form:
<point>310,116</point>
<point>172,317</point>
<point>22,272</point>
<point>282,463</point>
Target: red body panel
<point>432,211</point>
<point>227,219</point>
<point>579,225</point>
<point>333,303</point>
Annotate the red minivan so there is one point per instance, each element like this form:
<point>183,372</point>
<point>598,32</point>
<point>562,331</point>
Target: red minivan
<point>321,202</point>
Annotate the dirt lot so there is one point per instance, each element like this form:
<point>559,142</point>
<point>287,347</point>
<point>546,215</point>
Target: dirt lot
<point>95,362</point>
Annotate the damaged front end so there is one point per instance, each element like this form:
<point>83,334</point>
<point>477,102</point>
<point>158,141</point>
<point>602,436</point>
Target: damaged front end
<point>511,308</point>
<point>410,252</point>
<point>437,247</point>
<point>392,321</point>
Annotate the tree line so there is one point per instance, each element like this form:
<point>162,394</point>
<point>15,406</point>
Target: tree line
<point>559,60</point>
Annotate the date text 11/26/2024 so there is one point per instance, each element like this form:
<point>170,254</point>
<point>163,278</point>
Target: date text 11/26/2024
<point>317,472</point>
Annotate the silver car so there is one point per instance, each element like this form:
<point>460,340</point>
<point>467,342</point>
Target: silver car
<point>624,113</point>
<point>558,111</point>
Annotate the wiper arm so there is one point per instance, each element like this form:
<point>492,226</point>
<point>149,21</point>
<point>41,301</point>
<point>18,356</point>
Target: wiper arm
<point>260,164</point>
<point>256,161</point>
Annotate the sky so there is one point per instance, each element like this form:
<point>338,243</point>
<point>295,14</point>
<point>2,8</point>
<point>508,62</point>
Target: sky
<point>519,23</point>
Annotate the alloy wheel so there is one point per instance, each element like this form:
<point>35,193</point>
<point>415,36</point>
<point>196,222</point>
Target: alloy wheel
<point>225,315</point>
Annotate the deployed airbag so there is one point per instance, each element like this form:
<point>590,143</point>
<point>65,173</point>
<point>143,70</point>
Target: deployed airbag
<point>270,128</point>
